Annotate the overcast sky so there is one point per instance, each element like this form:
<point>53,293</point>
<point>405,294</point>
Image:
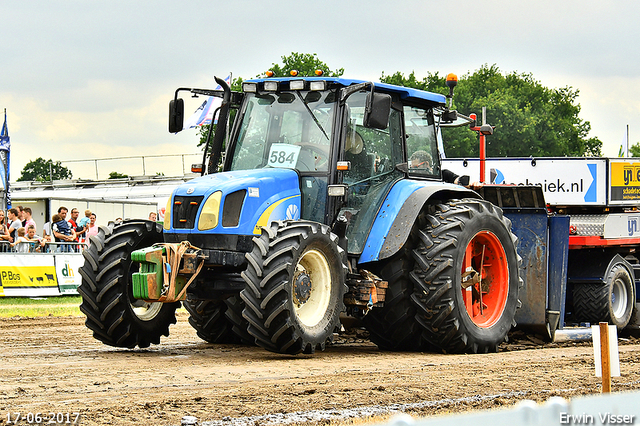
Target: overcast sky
<point>82,79</point>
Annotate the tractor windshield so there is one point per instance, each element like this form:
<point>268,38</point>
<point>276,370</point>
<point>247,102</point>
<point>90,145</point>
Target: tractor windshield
<point>287,129</point>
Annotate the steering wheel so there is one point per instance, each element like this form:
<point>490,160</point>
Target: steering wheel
<point>318,152</point>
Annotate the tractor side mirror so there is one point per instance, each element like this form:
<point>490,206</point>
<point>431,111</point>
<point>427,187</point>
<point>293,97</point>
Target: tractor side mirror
<point>176,115</point>
<point>377,110</point>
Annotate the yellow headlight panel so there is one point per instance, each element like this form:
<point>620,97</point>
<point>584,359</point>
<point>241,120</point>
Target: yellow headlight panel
<point>167,214</point>
<point>210,212</point>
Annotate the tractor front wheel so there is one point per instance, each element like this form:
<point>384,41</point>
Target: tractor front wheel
<point>113,314</point>
<point>295,287</point>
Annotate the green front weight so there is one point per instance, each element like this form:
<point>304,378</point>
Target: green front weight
<point>148,281</point>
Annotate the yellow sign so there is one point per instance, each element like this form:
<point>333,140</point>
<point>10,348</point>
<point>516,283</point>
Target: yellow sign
<point>625,174</point>
<point>28,276</point>
<point>625,181</point>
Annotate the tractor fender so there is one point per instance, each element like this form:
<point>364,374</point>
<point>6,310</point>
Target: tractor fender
<point>399,211</point>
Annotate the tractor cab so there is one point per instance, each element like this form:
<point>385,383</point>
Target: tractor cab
<point>348,142</point>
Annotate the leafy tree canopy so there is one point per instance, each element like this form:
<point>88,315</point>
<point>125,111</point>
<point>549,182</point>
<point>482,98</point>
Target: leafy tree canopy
<point>42,170</point>
<point>305,63</point>
<point>634,150</point>
<point>530,119</point>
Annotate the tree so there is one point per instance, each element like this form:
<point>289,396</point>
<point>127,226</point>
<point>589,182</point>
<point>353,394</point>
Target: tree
<point>116,175</point>
<point>530,119</point>
<point>634,150</point>
<point>305,63</point>
<point>42,170</point>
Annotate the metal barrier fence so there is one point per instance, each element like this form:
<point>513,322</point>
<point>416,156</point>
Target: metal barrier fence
<point>45,247</point>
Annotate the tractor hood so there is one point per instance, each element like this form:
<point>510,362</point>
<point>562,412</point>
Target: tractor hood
<point>238,202</point>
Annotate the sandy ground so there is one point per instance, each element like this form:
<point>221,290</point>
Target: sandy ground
<point>53,365</point>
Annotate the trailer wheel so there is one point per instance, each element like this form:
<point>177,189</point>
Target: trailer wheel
<point>466,277</point>
<point>393,326</point>
<point>295,287</point>
<point>612,302</point>
<point>210,320</point>
<point>113,314</point>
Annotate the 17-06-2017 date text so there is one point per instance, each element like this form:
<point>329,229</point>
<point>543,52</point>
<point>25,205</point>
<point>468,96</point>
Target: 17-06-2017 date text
<point>43,418</point>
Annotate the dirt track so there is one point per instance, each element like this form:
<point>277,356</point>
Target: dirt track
<point>53,365</point>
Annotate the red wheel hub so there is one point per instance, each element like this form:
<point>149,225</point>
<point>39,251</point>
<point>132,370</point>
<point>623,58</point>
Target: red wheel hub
<point>485,279</point>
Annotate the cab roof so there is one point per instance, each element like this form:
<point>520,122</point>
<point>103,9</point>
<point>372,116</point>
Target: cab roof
<point>405,93</point>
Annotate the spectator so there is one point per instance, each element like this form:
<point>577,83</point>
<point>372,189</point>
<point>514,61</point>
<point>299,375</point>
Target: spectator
<point>74,224</point>
<point>92,228</point>
<point>21,215</point>
<point>4,231</point>
<point>14,223</point>
<point>33,238</point>
<point>46,230</point>
<point>28,220</point>
<point>62,231</point>
<point>62,211</point>
<point>153,216</point>
<point>86,219</point>
<point>21,245</point>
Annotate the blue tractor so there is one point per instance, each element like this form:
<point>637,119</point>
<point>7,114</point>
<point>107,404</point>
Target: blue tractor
<point>325,200</point>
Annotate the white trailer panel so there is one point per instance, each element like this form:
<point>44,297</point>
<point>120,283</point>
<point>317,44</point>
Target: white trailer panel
<point>564,181</point>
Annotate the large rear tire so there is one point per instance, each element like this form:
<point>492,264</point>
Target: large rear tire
<point>611,302</point>
<point>466,240</point>
<point>295,287</point>
<point>113,314</point>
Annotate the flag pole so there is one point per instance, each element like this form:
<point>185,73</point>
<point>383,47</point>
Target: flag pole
<point>627,140</point>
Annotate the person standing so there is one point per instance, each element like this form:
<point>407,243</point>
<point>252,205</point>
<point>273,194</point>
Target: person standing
<point>28,220</point>
<point>73,222</point>
<point>14,223</point>
<point>62,231</point>
<point>21,215</point>
<point>92,228</point>
<point>4,234</point>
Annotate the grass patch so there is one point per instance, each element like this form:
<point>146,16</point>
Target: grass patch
<point>61,306</point>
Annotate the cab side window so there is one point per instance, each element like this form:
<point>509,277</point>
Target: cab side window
<point>422,149</point>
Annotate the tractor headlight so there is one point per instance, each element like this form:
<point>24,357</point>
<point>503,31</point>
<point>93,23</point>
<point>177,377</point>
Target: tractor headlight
<point>271,86</point>
<point>210,212</point>
<point>167,215</point>
<point>318,85</point>
<point>296,85</point>
<point>250,87</point>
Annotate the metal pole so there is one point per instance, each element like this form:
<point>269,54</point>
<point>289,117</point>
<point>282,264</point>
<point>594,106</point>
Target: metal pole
<point>97,169</point>
<point>144,172</point>
<point>627,152</point>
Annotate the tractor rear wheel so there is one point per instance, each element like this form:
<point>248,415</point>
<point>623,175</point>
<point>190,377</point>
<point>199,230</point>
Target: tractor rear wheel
<point>295,286</point>
<point>611,302</point>
<point>113,314</point>
<point>466,277</point>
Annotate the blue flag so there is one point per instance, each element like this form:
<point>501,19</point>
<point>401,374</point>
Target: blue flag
<point>4,135</point>
<point>5,148</point>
